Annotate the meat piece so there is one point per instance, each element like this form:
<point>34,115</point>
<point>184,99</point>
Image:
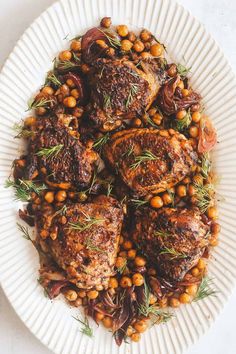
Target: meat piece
<point>150,160</point>
<point>86,241</point>
<point>172,239</point>
<point>119,90</point>
<point>71,163</point>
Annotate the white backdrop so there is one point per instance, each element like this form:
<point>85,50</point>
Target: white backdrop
<point>219,17</point>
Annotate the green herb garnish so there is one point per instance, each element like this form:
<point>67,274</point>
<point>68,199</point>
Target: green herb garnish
<point>51,78</point>
<point>174,254</point>
<point>123,267</point>
<point>182,70</point>
<point>204,289</point>
<point>204,195</point>
<point>22,132</point>
<point>206,164</point>
<point>89,243</point>
<point>182,124</point>
<point>86,329</point>
<point>144,157</point>
<point>25,231</point>
<point>98,144</point>
<point>132,92</point>
<point>107,101</point>
<point>24,188</point>
<point>86,223</point>
<point>112,38</point>
<point>138,202</point>
<point>50,152</point>
<point>42,102</point>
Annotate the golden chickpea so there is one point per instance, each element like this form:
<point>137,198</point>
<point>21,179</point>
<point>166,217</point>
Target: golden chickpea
<point>196,117</point>
<point>92,294</point>
<point>152,111</point>
<point>125,282</point>
<point>48,90</point>
<point>137,122</point>
<point>145,35</point>
<point>132,37</point>
<point>181,85</point>
<point>65,55</point>
<point>120,262</point>
<point>193,131</point>
<point>75,46</point>
<point>78,302</point>
<point>156,50</point>
<point>172,71</point>
<point>105,22</point>
<point>140,326</point>
<point>195,272</point>
<point>146,55</point>
<point>129,331</point>
<point>139,261</point>
<point>113,283</point>
<point>181,114</point>
<point>70,83</point>
<point>135,337</point>
<point>29,121</point>
<point>44,234</point>
<point>191,190</point>
<point>122,30</point>
<point>156,202</point>
<point>137,279</point>
<point>212,213</point>
<point>107,322</point>
<point>99,316</point>
<point>101,43</point>
<point>157,118</point>
<point>152,299</point>
<point>69,102</point>
<point>40,111</point>
<point>60,196</point>
<point>186,180</point>
<point>191,289</point>
<point>131,254</point>
<point>138,46</point>
<point>215,228</point>
<point>111,52</point>
<point>127,245</point>
<point>214,241</point>
<point>82,294</point>
<point>185,92</point>
<point>82,196</point>
<point>71,295</point>
<point>198,179</point>
<point>75,93</point>
<point>174,302</point>
<point>167,199</point>
<point>184,298</point>
<point>181,190</point>
<point>49,197</point>
<point>85,68</point>
<point>201,264</point>
<point>126,45</point>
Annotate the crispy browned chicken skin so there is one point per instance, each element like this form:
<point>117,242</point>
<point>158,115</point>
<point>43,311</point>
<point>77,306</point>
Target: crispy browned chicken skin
<point>150,160</point>
<point>120,90</point>
<point>87,239</point>
<point>172,239</point>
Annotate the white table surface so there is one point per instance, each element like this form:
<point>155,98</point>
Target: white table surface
<point>219,17</point>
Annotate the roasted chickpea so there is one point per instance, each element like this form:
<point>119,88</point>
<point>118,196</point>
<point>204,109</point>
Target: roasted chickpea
<point>214,241</point>
<point>181,114</point>
<point>71,295</point>
<point>82,196</point>
<point>196,117</point>
<point>174,302</point>
<point>120,262</point>
<point>60,196</point>
<point>152,299</point>
<point>167,199</point>
<point>195,107</point>
<point>185,92</point>
<point>126,45</point>
<point>212,213</point>
<point>201,264</point>
<point>69,102</point>
<point>29,121</point>
<point>156,50</point>
<point>172,71</point>
<point>48,90</point>
<point>156,202</point>
<point>75,93</point>
<point>146,55</point>
<point>49,197</point>
<point>195,272</point>
<point>78,112</point>
<point>132,37</point>
<point>85,68</point>
<point>121,240</point>
<point>137,279</point>
<point>186,180</point>
<point>65,55</point>
<point>132,254</point>
<point>105,22</point>
<point>125,282</point>
<point>152,111</point>
<point>111,52</point>
<point>75,46</point>
<point>157,118</point>
<point>99,316</point>
<point>77,302</point>
<point>191,289</point>
<point>139,261</point>
<point>92,294</point>
<point>145,35</point>
<point>163,302</point>
<point>70,83</point>
<point>191,190</point>
<point>181,190</point>
<point>184,298</point>
<point>40,111</point>
<point>138,46</point>
<point>130,331</point>
<point>135,337</point>
<point>113,283</point>
<point>193,131</point>
<point>101,43</point>
<point>137,122</point>
<point>122,30</point>
<point>215,228</point>
<point>140,326</point>
<point>44,233</point>
<point>107,322</point>
<point>181,85</point>
<point>127,245</point>
<point>82,294</point>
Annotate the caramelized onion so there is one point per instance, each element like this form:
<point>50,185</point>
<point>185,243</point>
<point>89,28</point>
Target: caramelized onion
<point>207,135</point>
<point>90,50</point>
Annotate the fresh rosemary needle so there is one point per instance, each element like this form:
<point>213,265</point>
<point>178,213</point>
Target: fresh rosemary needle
<point>173,253</point>
<point>22,132</point>
<point>51,78</point>
<point>112,38</point>
<point>106,101</point>
<point>123,267</point>
<point>50,152</point>
<point>182,124</point>
<point>89,243</point>
<point>25,231</point>
<point>98,144</point>
<point>204,289</point>
<point>132,92</point>
<point>205,164</point>
<point>183,71</point>
<point>34,104</point>
<point>86,329</point>
<point>87,223</point>
<point>138,202</point>
<point>144,157</point>
<point>24,188</point>
<point>204,195</point>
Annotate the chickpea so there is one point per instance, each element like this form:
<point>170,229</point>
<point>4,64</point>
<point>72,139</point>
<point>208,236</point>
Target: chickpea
<point>191,190</point>
<point>64,90</point>
<point>156,202</point>
<point>122,30</point>
<point>107,322</point>
<point>215,228</point>
<point>121,240</point>
<point>99,316</point>
<point>44,233</point>
<point>101,43</point>
<point>129,331</point>
<point>49,197</point>
<point>137,122</point>
<point>157,118</point>
<point>212,213</point>
<point>137,279</point>
<point>132,254</point>
<point>195,107</point>
<point>40,111</point>
<point>145,35</point>
<point>92,294</point>
<point>181,114</point>
<point>186,180</point>
<point>156,50</point>
<point>82,294</point>
<point>201,264</point>
<point>77,302</point>
<point>185,92</point>
<point>127,245</point>
<point>191,289</point>
<point>71,295</point>
<point>126,45</point>
<point>139,261</point>
<point>193,131</point>
<point>146,55</point>
<point>85,68</point>
<point>184,298</point>
<point>195,271</point>
<point>147,46</point>
<point>125,282</point>
<point>167,199</point>
<point>70,83</point>
<point>135,337</point>
<point>111,52</point>
<point>105,22</point>
<point>120,262</point>
<point>132,37</point>
<point>82,196</point>
<point>60,196</point>
<point>65,55</point>
<point>69,102</point>
<point>152,299</point>
<point>99,287</point>
<point>181,190</point>
<point>140,326</point>
<point>196,117</point>
<point>75,46</point>
<point>198,179</point>
<point>181,85</point>
<point>29,121</point>
<point>152,111</point>
<point>75,93</point>
<point>174,302</point>
<point>172,71</point>
<point>214,241</point>
<point>123,254</point>
<point>138,46</point>
<point>163,303</point>
<point>48,90</point>
<point>113,283</point>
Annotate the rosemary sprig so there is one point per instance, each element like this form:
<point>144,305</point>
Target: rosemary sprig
<point>129,151</point>
<point>61,211</point>
<point>204,195</point>
<point>91,246</point>
<point>86,224</point>
<point>64,64</point>
<point>182,70</point>
<point>76,58</point>
<point>34,104</point>
<point>144,157</point>
<point>24,188</point>
<point>150,121</point>
<point>205,164</point>
<point>132,92</point>
<point>162,233</point>
<point>51,78</point>
<point>86,329</point>
<point>106,101</point>
<point>138,202</point>
<point>174,254</point>
<point>204,289</point>
<point>22,132</point>
<point>25,231</point>
<point>50,152</point>
<point>109,188</point>
<point>112,38</point>
<point>182,124</point>
<point>98,144</point>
